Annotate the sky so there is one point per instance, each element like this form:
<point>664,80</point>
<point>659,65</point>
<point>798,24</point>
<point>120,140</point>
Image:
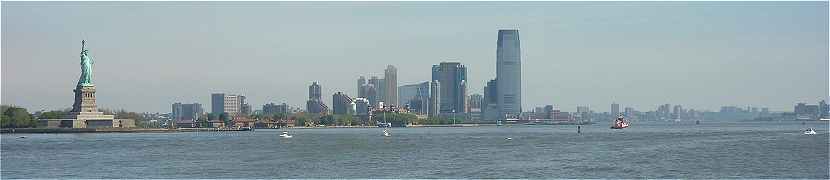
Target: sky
<point>148,55</point>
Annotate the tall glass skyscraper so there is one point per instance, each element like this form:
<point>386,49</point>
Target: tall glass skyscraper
<point>508,73</point>
<point>452,77</point>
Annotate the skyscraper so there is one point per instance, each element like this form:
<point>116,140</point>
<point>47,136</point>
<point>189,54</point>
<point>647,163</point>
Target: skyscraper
<point>615,109</point>
<point>434,98</point>
<point>380,89</point>
<point>314,91</point>
<point>390,77</point>
<point>360,90</point>
<point>508,73</point>
<point>452,77</point>
<point>315,102</point>
<point>489,109</point>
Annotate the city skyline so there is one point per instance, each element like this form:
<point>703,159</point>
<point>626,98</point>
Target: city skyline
<point>571,63</point>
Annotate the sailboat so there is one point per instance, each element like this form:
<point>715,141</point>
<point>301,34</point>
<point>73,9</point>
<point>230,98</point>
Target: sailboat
<point>386,128</point>
<point>620,123</point>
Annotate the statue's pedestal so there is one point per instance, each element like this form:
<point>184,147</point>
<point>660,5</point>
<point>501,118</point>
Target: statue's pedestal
<point>85,113</point>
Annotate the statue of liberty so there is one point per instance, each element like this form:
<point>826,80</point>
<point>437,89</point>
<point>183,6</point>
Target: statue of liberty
<point>86,66</point>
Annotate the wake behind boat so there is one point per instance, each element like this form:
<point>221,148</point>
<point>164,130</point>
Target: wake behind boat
<point>620,123</point>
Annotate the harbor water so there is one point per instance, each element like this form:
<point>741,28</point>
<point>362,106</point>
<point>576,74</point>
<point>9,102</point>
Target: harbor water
<point>645,150</point>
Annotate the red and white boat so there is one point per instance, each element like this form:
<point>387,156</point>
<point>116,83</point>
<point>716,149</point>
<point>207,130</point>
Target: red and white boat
<point>620,123</point>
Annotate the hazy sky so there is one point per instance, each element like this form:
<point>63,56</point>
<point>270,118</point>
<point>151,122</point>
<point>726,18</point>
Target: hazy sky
<point>148,55</point>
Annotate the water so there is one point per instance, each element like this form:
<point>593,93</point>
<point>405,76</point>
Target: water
<point>709,150</point>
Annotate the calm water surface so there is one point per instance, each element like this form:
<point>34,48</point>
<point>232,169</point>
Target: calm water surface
<point>709,150</point>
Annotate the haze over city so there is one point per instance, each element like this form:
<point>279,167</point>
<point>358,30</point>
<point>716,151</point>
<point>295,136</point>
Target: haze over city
<point>150,54</point>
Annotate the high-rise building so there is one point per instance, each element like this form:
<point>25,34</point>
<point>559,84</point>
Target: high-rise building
<point>452,77</point>
<point>824,109</point>
<point>584,114</point>
<point>615,109</point>
<point>434,98</point>
<point>315,102</point>
<point>490,110</point>
<point>474,107</point>
<point>361,106</point>
<point>342,104</point>
<point>232,104</point>
<point>315,91</point>
<point>390,76</point>
<point>407,93</point>
<point>217,103</point>
<point>380,90</point>
<point>370,92</point>
<point>271,109</point>
<point>508,73</point>
<point>186,111</point>
<point>361,92</point>
<point>677,112</point>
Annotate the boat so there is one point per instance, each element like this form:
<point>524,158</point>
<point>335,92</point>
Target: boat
<point>386,133</point>
<point>285,135</point>
<point>620,123</point>
<point>810,131</point>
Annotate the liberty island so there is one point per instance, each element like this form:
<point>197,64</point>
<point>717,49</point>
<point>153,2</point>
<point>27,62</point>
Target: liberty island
<point>85,113</point>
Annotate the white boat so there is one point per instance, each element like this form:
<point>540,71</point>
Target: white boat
<point>620,123</point>
<point>285,135</point>
<point>810,131</point>
<point>386,132</point>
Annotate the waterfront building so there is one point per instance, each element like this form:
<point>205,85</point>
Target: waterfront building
<point>370,93</point>
<point>362,106</point>
<point>415,96</point>
<point>508,73</point>
<point>342,104</point>
<point>584,114</point>
<point>474,110</point>
<point>271,109</point>
<point>186,111</point>
<point>380,90</point>
<point>84,113</point>
<point>232,104</point>
<point>490,111</point>
<point>315,102</point>
<point>452,77</point>
<point>361,93</point>
<point>390,76</point>
<point>806,112</point>
<point>824,109</point>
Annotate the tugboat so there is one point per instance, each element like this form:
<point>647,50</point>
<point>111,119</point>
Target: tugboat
<point>620,123</point>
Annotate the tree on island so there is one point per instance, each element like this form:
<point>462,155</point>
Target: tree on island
<point>16,117</point>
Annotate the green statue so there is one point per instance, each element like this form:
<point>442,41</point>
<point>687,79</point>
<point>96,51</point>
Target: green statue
<point>86,66</point>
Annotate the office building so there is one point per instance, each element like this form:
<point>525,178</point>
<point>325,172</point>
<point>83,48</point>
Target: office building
<point>508,73</point>
<point>390,77</point>
<point>315,102</point>
<point>271,109</point>
<point>452,77</point>
<point>434,98</point>
<point>186,111</point>
<point>234,105</point>
<point>342,104</point>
